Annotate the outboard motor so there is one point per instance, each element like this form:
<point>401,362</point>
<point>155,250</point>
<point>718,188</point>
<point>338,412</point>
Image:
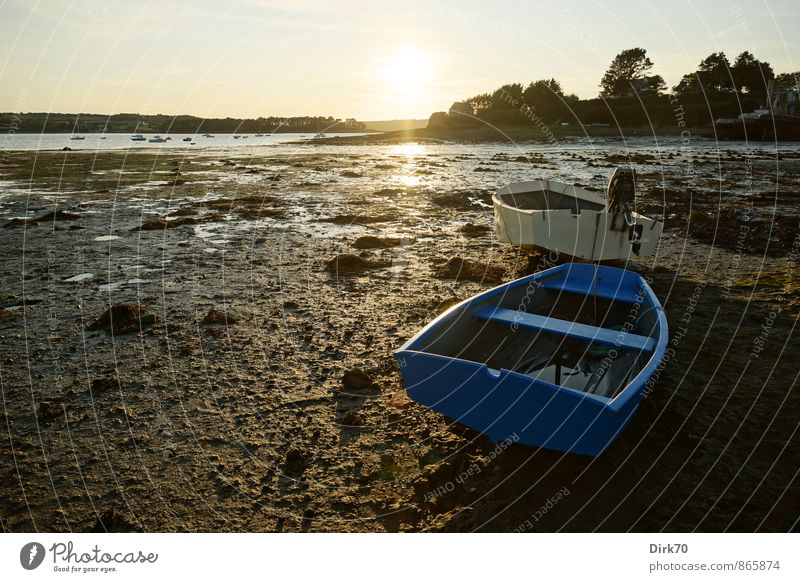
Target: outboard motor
<point>619,200</point>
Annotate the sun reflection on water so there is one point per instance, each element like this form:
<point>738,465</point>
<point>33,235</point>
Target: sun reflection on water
<point>407,180</point>
<point>410,151</point>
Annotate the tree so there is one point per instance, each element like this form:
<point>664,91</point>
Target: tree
<point>545,97</point>
<point>712,74</point>
<point>751,74</point>
<point>628,67</point>
<point>542,91</point>
<point>655,84</point>
<point>787,81</point>
<point>688,84</point>
<point>480,102</point>
<point>507,97</point>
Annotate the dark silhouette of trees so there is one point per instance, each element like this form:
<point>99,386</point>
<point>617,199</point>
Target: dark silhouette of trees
<point>512,103</point>
<point>713,74</point>
<point>716,74</point>
<point>545,90</point>
<point>631,96</point>
<point>507,96</point>
<point>546,98</point>
<point>655,84</point>
<point>131,122</point>
<point>750,74</point>
<point>628,74</point>
<point>786,81</point>
<point>480,102</point>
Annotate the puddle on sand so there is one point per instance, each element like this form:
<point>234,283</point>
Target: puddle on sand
<point>206,231</point>
<point>78,278</point>
<point>118,284</point>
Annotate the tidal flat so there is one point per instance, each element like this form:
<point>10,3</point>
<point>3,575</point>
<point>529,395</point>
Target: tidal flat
<point>246,379</point>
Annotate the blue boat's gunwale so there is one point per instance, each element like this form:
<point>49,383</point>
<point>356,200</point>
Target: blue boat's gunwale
<point>634,387</point>
<point>637,384</point>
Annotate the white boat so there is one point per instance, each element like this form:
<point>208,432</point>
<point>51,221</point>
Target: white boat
<point>157,139</point>
<point>77,137</point>
<point>575,221</point>
<point>138,137</point>
<point>207,135</point>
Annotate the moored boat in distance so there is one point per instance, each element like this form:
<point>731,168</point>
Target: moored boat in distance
<point>187,139</point>
<point>157,139</point>
<point>207,135</point>
<point>77,138</point>
<point>575,221</point>
<point>138,137</point>
<point>560,359</point>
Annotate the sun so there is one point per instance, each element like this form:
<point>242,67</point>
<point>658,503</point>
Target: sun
<point>407,71</point>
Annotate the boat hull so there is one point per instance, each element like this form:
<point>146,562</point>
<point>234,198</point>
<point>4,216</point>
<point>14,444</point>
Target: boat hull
<point>509,406</point>
<point>503,404</point>
<point>591,234</point>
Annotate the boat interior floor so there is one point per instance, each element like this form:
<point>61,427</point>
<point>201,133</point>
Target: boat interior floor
<point>573,341</point>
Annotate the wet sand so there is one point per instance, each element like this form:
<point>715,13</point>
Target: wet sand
<point>255,388</point>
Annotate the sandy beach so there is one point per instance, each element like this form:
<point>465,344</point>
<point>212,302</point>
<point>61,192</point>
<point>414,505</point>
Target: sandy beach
<point>246,380</point>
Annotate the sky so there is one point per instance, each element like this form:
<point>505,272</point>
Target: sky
<point>352,58</point>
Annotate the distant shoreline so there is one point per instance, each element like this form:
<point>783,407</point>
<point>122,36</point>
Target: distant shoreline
<point>155,132</point>
<point>513,133</point>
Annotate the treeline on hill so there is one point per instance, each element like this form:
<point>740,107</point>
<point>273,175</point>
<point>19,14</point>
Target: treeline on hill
<point>630,95</point>
<point>135,123</point>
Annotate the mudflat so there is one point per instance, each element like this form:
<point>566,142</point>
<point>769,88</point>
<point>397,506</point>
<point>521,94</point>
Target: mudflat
<point>203,341</point>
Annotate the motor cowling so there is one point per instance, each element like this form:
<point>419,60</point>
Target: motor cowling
<point>621,193</point>
<point>620,197</point>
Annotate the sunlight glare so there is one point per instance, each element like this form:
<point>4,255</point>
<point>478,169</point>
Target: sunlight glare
<point>407,71</point>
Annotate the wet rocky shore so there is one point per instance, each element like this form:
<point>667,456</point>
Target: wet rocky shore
<point>203,341</point>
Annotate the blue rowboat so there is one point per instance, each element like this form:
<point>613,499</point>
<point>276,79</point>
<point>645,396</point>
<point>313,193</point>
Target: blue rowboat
<point>560,359</point>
